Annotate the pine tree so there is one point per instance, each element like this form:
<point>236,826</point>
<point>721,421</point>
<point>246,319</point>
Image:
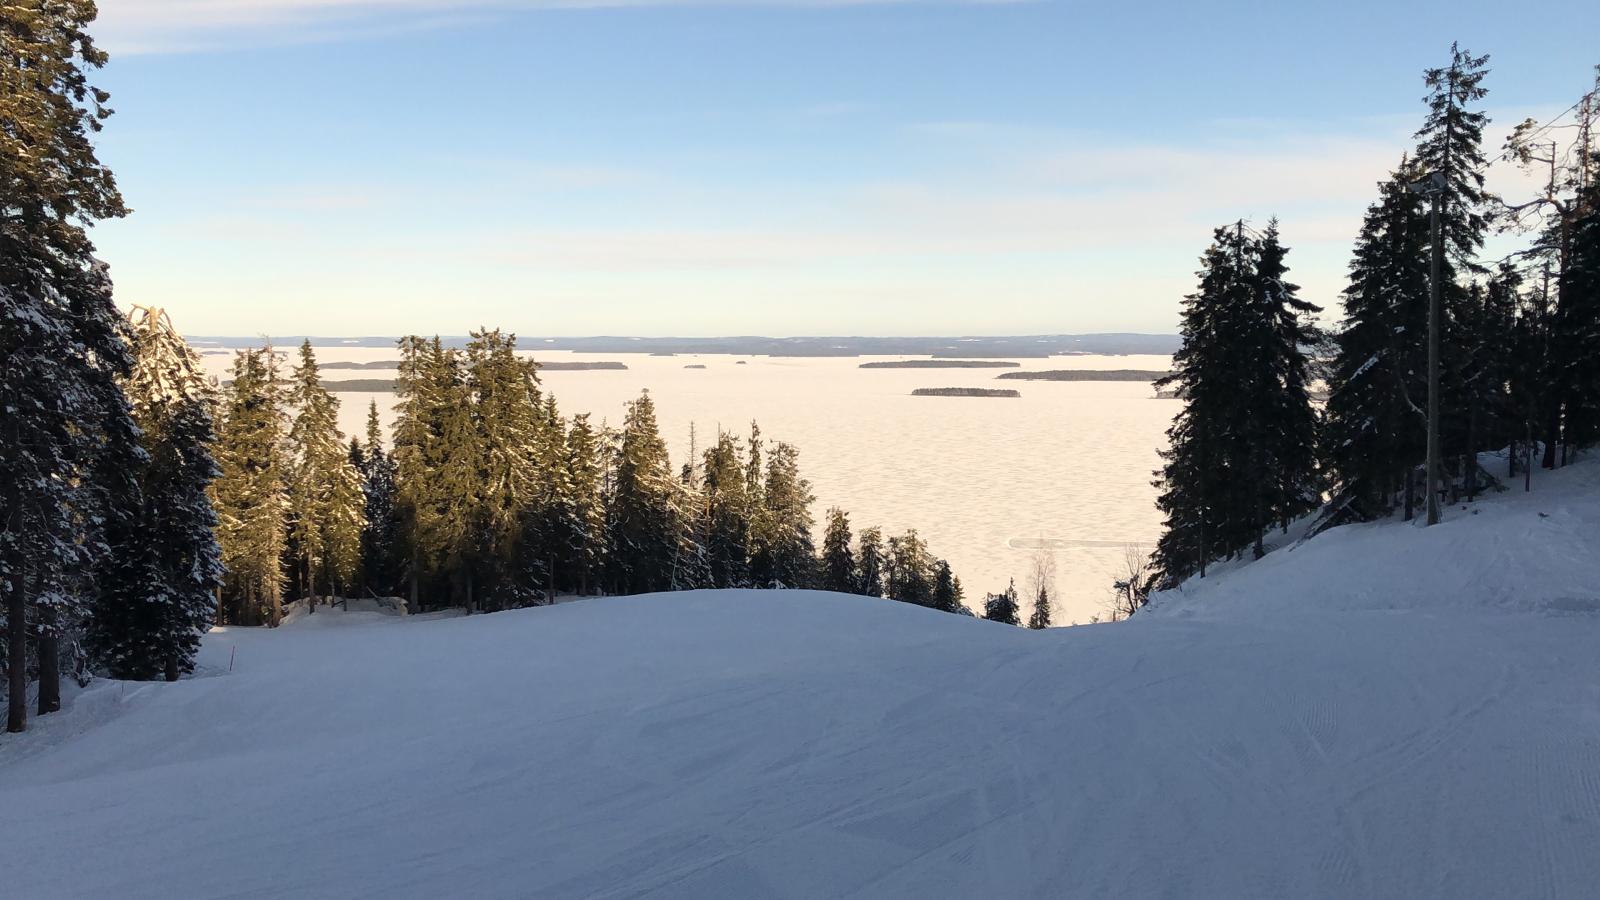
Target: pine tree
<point>838,560</point>
<point>1003,607</point>
<point>159,597</point>
<point>786,557</point>
<point>249,495</point>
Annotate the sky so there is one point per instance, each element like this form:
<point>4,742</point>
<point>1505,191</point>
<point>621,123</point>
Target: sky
<point>779,167</point>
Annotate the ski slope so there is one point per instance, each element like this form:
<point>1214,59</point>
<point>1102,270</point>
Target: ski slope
<point>1384,711</point>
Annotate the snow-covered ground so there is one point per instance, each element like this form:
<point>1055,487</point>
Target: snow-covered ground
<point>1384,711</point>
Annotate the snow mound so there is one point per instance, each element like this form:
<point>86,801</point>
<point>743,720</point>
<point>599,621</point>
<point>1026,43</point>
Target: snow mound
<point>1509,551</point>
<point>1381,712</point>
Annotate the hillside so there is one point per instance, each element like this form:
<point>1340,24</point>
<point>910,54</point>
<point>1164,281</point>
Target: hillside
<point>1384,711</point>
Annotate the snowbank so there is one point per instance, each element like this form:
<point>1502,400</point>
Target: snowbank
<point>1381,712</point>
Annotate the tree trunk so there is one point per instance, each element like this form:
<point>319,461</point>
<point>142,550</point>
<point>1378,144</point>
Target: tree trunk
<point>17,649</point>
<point>49,648</point>
<point>172,668</point>
<point>1411,493</point>
<point>414,566</point>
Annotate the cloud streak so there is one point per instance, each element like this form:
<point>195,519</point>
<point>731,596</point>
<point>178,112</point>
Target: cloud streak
<point>155,26</point>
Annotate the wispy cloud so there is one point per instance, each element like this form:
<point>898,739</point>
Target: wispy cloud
<point>153,26</point>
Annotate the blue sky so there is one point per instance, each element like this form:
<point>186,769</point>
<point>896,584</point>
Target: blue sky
<point>566,168</point>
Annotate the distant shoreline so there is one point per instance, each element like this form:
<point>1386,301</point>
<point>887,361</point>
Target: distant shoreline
<point>941,364</point>
<point>1036,346</point>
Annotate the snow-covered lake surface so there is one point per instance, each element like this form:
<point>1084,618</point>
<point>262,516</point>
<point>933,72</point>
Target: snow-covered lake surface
<point>1382,712</point>
<point>983,479</point>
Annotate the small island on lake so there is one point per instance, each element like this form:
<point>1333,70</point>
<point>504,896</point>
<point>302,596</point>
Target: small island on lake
<point>965,392</point>
<point>1087,375</point>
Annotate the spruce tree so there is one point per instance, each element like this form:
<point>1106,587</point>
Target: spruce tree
<point>422,396</point>
<point>727,514</point>
<point>1201,479</point>
<point>1039,619</point>
<point>1375,426</point>
<point>585,472</point>
<point>838,560</point>
<point>786,557</point>
<point>1285,419</point>
<point>1003,607</point>
<point>327,507</point>
<point>909,570</point>
<point>160,595</point>
<point>494,473</point>
<point>381,560</point>
<point>870,563</point>
<point>250,494</point>
<point>642,521</point>
<point>947,594</point>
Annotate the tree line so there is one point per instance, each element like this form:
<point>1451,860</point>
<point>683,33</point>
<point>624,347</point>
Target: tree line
<point>1251,450</point>
<point>489,498</point>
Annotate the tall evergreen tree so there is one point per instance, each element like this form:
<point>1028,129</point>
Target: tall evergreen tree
<point>381,561</point>
<point>642,521</point>
<point>585,474</point>
<point>947,593</point>
<point>1285,420</point>
<point>838,560</point>
<point>1204,436</point>
<point>871,562</point>
<point>160,597</point>
<point>909,570</point>
<point>327,507</point>
<point>1375,426</point>
<point>786,556</point>
<point>727,513</point>
<point>62,341</point>
<point>1039,619</point>
<point>249,495</point>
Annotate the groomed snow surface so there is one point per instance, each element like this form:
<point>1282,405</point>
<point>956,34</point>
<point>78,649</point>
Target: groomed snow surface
<point>1383,711</point>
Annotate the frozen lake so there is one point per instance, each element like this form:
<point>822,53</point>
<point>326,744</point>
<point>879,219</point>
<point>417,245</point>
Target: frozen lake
<point>983,479</point>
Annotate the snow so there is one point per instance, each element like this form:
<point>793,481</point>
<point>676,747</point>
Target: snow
<point>1380,711</point>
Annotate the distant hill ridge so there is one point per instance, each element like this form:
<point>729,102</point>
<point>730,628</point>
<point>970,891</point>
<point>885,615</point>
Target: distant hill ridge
<point>994,347</point>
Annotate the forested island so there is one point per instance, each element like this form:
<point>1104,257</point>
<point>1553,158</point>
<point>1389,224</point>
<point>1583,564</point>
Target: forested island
<point>942,364</point>
<point>1087,375</point>
<point>965,392</point>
